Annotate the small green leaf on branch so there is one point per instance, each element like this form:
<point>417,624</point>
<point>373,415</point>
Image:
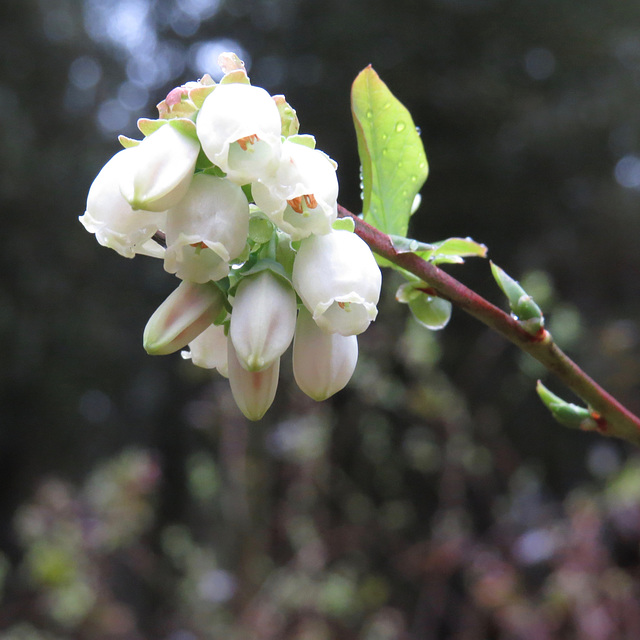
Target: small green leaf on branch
<point>523,306</point>
<point>568,414</point>
<point>427,308</point>
<point>394,164</point>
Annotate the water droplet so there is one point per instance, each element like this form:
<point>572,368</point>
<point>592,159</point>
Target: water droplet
<point>384,152</point>
<point>384,136</point>
<point>369,114</point>
<point>386,105</point>
<point>400,165</point>
<point>400,126</point>
<point>419,131</point>
<point>414,179</point>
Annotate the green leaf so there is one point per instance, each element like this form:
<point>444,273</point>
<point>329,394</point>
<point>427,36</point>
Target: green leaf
<point>431,312</point>
<point>522,305</point>
<point>428,310</point>
<point>458,248</point>
<point>567,414</point>
<point>394,164</point>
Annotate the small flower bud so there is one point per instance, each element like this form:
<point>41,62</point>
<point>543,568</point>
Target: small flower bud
<point>263,320</point>
<point>160,169</point>
<point>209,350</point>
<point>339,281</point>
<point>323,363</point>
<point>112,219</point>
<point>239,130</point>
<point>253,391</point>
<point>207,229</point>
<point>183,316</point>
<point>301,198</point>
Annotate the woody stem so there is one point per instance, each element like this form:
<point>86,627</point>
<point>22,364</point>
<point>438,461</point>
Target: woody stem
<point>612,418</point>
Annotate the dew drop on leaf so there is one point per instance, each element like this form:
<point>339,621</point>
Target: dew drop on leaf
<point>400,126</point>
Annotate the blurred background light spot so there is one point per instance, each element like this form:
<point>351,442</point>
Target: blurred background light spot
<point>95,406</point>
<point>203,56</point>
<point>132,97</point>
<point>217,586</point>
<point>85,72</point>
<point>112,116</point>
<point>184,24</point>
<point>603,460</point>
<point>201,9</point>
<point>535,546</point>
<point>57,21</point>
<point>627,172</point>
<point>122,23</point>
<point>539,63</point>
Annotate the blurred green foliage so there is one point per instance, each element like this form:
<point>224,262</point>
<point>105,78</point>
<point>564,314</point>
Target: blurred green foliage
<point>434,497</point>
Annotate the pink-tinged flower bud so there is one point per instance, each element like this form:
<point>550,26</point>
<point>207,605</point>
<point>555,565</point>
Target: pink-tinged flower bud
<point>183,316</point>
<point>239,129</point>
<point>112,219</point>
<point>263,320</point>
<point>338,280</point>
<point>323,363</point>
<point>207,229</point>
<point>160,169</point>
<point>253,391</point>
<point>209,350</point>
<point>301,198</point>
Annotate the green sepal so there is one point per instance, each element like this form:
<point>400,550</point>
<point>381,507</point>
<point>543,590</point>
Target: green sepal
<point>305,139</point>
<point>266,264</point>
<point>128,143</point>
<point>394,164</point>
<point>148,126</point>
<point>566,413</point>
<point>211,169</point>
<point>260,229</point>
<point>285,252</point>
<point>237,76</point>
<point>185,126</point>
<point>344,224</point>
<point>200,94</point>
<point>289,122</point>
<point>522,305</point>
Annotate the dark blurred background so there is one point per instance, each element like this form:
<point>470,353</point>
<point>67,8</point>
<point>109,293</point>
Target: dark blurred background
<point>434,497</point>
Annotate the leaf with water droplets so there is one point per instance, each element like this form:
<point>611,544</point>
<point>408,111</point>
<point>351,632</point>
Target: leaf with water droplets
<point>394,164</point>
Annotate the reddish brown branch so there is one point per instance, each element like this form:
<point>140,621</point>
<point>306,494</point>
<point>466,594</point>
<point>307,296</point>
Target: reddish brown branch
<point>614,419</point>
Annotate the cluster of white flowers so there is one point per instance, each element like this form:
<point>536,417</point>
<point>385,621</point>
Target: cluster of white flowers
<point>241,208</point>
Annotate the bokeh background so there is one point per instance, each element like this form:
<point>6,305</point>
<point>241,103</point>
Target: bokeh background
<point>434,497</point>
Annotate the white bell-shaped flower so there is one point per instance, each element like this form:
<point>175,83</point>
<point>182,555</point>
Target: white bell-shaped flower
<point>338,280</point>
<point>323,363</point>
<point>239,129</point>
<point>209,350</point>
<point>253,391</point>
<point>301,198</point>
<point>206,229</point>
<point>183,316</point>
<point>160,169</point>
<point>263,320</point>
<point>115,224</point>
